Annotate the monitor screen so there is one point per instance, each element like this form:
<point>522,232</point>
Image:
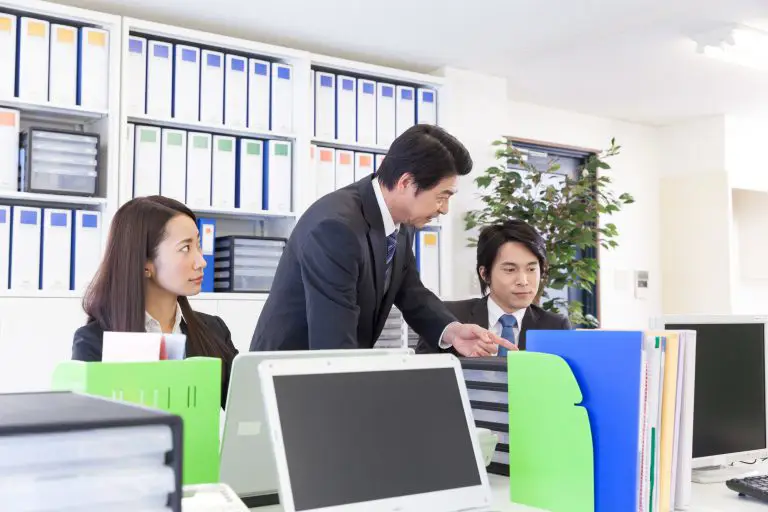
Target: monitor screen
<point>363,436</point>
<point>729,413</point>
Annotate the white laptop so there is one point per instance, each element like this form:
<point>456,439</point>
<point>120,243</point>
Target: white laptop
<point>247,460</point>
<point>375,434</point>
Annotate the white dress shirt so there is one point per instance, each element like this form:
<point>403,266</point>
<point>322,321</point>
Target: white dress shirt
<point>389,223</point>
<point>153,326</point>
<point>494,315</point>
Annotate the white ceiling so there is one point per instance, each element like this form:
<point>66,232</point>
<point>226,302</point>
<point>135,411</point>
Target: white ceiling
<point>626,59</point>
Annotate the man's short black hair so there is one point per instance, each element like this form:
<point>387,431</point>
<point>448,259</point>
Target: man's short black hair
<point>429,153</point>
<point>493,237</point>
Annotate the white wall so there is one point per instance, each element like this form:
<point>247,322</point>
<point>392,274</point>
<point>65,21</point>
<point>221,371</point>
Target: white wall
<point>750,289</point>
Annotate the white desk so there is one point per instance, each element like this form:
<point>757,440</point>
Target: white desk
<point>706,498</point>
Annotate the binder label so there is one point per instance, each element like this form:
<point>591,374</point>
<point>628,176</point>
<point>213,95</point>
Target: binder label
<point>200,142</point>
<point>99,39</point>
<point>188,55</point>
<point>326,156</point>
<point>347,85</point>
<point>281,149</point>
<point>59,220</point>
<point>148,136</point>
<point>428,97</point>
<point>430,239</point>
<point>8,118</point>
<point>28,217</point>
<point>208,239</point>
<point>90,220</point>
<point>368,88</point>
<point>238,65</point>
<point>225,145</point>
<point>2,217</point>
<point>6,24</point>
<point>213,60</point>
<point>406,94</point>
<point>36,29</point>
<point>345,158</point>
<point>283,73</point>
<point>160,51</point>
<point>326,81</point>
<point>366,160</point>
<point>253,148</point>
<point>387,91</point>
<point>260,69</point>
<point>135,45</point>
<point>65,35</point>
<point>174,139</point>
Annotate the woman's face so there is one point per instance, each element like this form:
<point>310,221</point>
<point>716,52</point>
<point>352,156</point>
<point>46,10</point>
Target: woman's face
<point>178,266</point>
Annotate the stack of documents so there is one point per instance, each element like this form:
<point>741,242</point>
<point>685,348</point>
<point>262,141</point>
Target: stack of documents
<point>65,451</point>
<point>392,334</point>
<point>246,264</point>
<point>59,162</point>
<point>360,110</point>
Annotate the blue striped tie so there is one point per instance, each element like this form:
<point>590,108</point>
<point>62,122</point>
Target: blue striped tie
<point>391,248</point>
<point>508,324</point>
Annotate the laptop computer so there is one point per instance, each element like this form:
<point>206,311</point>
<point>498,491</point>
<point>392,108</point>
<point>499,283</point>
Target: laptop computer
<point>379,434</point>
<point>247,460</point>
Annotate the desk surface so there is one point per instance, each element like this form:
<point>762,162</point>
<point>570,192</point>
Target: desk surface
<point>706,498</point>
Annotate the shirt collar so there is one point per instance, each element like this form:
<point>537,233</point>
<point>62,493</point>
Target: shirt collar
<point>495,313</point>
<point>152,325</point>
<point>389,223</point>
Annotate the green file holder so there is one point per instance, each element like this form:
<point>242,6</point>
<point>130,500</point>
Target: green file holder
<point>190,388</point>
<point>551,462</point>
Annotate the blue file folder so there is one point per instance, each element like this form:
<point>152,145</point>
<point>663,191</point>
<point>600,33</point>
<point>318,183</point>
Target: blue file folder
<point>207,228</point>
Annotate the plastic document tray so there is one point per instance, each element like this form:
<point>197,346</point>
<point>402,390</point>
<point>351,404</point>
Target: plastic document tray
<point>246,264</point>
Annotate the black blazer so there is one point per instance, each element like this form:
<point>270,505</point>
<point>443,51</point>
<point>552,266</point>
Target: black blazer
<point>328,290</point>
<point>475,311</point>
<point>89,338</point>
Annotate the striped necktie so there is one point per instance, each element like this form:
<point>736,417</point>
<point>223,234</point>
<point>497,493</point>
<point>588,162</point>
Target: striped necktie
<point>508,324</point>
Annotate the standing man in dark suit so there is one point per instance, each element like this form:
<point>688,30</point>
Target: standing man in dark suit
<point>510,260</point>
<point>350,258</point>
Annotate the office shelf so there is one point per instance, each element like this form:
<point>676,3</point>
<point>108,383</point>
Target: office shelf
<point>217,129</point>
<point>237,213</point>
<point>45,111</point>
<point>34,198</point>
<point>40,294</point>
<point>351,146</point>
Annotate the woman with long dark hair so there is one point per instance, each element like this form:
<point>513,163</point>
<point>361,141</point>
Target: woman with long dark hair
<point>152,263</point>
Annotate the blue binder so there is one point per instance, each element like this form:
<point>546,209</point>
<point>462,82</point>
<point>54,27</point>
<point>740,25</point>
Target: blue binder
<point>207,228</point>
<point>608,367</point>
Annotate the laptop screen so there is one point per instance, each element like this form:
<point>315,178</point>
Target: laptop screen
<point>363,436</point>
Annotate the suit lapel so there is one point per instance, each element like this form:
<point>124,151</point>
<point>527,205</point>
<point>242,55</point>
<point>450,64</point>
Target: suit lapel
<point>530,320</point>
<point>377,240</point>
<point>479,313</point>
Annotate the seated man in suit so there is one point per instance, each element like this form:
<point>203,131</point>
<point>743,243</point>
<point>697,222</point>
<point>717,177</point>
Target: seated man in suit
<point>510,260</point>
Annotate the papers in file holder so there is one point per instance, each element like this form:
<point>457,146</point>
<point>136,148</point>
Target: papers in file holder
<point>7,55</point>
<point>59,162</point>
<point>246,264</point>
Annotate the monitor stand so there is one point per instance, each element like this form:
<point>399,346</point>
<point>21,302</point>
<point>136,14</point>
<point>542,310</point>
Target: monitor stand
<point>720,474</point>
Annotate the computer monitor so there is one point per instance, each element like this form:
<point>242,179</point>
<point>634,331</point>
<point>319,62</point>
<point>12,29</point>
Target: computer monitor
<point>730,418</point>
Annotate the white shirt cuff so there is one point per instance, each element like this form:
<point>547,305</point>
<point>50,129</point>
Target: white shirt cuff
<point>442,343</point>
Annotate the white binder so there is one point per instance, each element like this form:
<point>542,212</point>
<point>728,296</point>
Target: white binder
<point>250,175</point>
<point>25,248</point>
<point>406,109</point>
<point>94,69</point>
<point>346,109</point>
<point>366,111</point>
<point>282,98</point>
<point>278,178</point>
<point>363,165</point>
<point>57,250</point>
<point>212,87</point>
<point>159,80</point>
<point>258,95</point>
<point>7,60</point>
<point>326,171</point>
<point>345,168</point>
<point>385,114</point>
<point>223,175</point>
<point>33,52</point>
<point>186,83</point>
<point>136,69</point>
<point>236,92</point>
<point>5,245</point>
<point>86,248</point>
<point>173,167</point>
<point>429,260</point>
<point>146,172</point>
<point>130,153</point>
<point>325,105</point>
<point>426,107</point>
<point>62,73</point>
<point>9,149</point>
<point>199,169</point>
<point>377,162</point>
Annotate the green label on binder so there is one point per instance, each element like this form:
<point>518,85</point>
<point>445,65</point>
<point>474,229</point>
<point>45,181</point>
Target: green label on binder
<point>281,149</point>
<point>148,136</point>
<point>174,139</point>
<point>253,148</point>
<point>200,142</point>
<point>225,145</point>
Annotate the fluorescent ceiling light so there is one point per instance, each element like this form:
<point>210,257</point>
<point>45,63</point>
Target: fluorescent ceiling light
<point>743,45</point>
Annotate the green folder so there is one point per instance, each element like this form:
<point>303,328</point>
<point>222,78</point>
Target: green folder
<point>190,388</point>
<point>550,441</point>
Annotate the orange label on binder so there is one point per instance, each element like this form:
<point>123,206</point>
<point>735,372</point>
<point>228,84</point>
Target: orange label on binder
<point>345,159</point>
<point>8,119</point>
<point>97,39</point>
<point>65,35</point>
<point>430,239</point>
<point>326,156</point>
<point>6,24</point>
<point>36,29</point>
<point>366,160</point>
